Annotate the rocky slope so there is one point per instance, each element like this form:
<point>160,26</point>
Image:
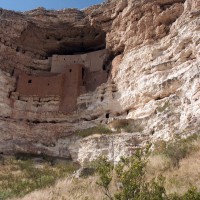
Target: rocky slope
<point>154,47</point>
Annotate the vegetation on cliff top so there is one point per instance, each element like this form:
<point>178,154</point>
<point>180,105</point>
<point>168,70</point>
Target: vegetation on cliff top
<point>116,126</point>
<point>99,129</point>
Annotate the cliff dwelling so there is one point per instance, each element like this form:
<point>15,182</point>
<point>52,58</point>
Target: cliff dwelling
<point>107,80</point>
<point>69,77</point>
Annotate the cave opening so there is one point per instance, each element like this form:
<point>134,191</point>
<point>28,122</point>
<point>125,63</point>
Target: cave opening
<point>61,38</point>
<point>107,115</point>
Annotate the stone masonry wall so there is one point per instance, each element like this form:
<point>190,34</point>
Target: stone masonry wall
<point>40,85</point>
<point>93,61</point>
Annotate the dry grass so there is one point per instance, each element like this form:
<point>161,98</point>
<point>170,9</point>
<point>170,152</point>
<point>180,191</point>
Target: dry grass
<point>20,177</point>
<point>100,129</point>
<point>178,179</point>
<point>70,189</point>
<point>125,125</point>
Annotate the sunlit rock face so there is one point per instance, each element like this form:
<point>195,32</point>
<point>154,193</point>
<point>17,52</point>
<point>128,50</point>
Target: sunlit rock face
<point>153,63</point>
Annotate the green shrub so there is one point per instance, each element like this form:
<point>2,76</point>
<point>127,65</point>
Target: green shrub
<point>100,129</point>
<point>176,150</point>
<point>104,169</point>
<point>164,107</point>
<point>131,178</point>
<point>127,125</point>
<point>86,172</point>
<point>24,177</point>
<point>128,128</point>
<point>120,124</point>
<point>191,194</point>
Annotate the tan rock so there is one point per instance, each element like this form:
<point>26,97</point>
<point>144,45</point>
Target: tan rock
<point>153,80</point>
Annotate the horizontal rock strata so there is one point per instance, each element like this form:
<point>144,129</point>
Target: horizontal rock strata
<point>153,57</point>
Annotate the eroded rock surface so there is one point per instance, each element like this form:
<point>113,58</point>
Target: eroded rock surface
<point>154,78</point>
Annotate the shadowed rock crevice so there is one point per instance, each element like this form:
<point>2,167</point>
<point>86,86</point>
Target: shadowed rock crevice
<point>60,38</point>
<point>39,34</point>
<point>139,60</point>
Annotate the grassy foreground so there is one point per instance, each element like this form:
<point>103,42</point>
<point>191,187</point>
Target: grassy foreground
<point>20,177</point>
<point>177,161</point>
<point>180,169</point>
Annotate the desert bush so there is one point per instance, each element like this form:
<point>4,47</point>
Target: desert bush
<point>104,168</point>
<point>121,124</point>
<point>176,150</point>
<point>130,174</point>
<point>131,179</point>
<point>191,194</point>
<point>127,125</point>
<point>100,129</point>
<point>85,172</point>
<point>23,176</point>
<point>128,128</point>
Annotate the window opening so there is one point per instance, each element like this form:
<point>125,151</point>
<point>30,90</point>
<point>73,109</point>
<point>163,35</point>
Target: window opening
<point>107,115</point>
<point>83,73</point>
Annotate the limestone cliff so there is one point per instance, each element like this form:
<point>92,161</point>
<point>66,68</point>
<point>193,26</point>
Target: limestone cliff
<point>154,47</point>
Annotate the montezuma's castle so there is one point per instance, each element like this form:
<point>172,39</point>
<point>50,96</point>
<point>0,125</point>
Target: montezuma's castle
<point>69,77</point>
<point>67,70</point>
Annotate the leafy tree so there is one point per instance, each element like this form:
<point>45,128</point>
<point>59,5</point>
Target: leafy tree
<point>105,169</point>
<point>131,175</point>
<point>131,178</point>
<point>132,181</point>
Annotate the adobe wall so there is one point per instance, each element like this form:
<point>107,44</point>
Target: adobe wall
<point>95,79</point>
<point>93,61</point>
<point>73,83</point>
<point>67,86</point>
<point>30,85</point>
<point>70,76</point>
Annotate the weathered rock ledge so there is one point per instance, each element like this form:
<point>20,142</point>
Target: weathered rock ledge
<point>153,57</point>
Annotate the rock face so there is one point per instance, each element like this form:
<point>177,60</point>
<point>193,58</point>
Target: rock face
<point>154,48</point>
<point>113,146</point>
<point>27,39</point>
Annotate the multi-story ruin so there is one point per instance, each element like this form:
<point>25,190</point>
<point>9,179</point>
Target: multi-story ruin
<point>70,76</point>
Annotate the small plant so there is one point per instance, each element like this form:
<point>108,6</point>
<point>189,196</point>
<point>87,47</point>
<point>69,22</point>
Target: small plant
<point>104,169</point>
<point>191,194</point>
<point>119,124</point>
<point>126,125</point>
<point>100,129</point>
<point>176,150</point>
<point>130,174</point>
<point>128,128</point>
<point>131,179</point>
<point>23,176</point>
<point>164,107</point>
<point>86,172</point>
